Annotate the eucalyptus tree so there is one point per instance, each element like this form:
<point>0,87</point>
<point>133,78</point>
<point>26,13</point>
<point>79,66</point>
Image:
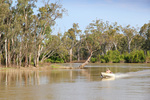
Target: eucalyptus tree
<point>94,38</point>
<point>145,33</point>
<point>7,30</point>
<point>114,35</point>
<point>4,10</point>
<point>138,42</point>
<point>46,19</point>
<point>25,13</point>
<point>122,44</point>
<point>5,26</point>
<point>70,39</point>
<point>129,32</point>
<point>51,46</point>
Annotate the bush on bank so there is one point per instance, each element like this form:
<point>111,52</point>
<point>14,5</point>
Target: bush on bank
<point>55,60</point>
<point>136,56</point>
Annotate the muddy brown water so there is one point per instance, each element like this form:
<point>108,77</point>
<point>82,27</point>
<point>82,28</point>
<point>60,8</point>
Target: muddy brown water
<point>132,82</point>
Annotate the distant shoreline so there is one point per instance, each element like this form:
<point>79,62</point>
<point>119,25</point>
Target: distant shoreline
<point>49,66</point>
<point>43,67</point>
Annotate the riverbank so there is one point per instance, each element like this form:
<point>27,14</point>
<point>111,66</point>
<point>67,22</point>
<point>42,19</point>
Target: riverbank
<point>41,67</point>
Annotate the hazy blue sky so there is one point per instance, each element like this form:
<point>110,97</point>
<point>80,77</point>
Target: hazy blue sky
<point>133,12</point>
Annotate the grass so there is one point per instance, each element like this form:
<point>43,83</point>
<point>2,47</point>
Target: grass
<point>42,67</point>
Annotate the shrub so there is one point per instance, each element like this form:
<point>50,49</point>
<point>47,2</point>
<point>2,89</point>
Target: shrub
<point>106,58</point>
<point>99,57</point>
<point>127,58</point>
<point>117,60</point>
<point>114,56</point>
<point>48,60</point>
<point>102,61</point>
<point>93,60</point>
<point>142,56</point>
<point>148,56</point>
<point>135,57</point>
<point>57,60</point>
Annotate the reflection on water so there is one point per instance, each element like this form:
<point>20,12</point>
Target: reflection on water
<point>19,78</point>
<point>132,82</point>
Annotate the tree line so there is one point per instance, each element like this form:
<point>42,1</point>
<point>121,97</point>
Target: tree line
<point>26,38</point>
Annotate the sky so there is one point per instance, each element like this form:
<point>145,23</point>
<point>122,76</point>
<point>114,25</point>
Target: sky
<point>124,12</point>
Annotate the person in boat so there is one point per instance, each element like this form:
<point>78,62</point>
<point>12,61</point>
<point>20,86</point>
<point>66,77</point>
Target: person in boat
<point>108,71</point>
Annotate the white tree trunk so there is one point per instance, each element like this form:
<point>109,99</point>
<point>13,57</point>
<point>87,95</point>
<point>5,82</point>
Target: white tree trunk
<point>38,54</point>
<point>115,44</point>
<point>29,59</point>
<point>0,56</point>
<point>0,51</point>
<point>78,54</point>
<point>129,50</point>
<point>70,55</point>
<point>20,57</point>
<point>6,53</point>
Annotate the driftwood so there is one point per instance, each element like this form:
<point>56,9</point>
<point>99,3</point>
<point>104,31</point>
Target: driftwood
<point>86,62</point>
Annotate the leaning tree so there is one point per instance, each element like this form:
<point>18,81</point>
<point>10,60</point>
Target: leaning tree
<point>94,38</point>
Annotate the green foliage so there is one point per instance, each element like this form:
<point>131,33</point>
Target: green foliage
<point>111,56</point>
<point>54,59</point>
<point>136,56</point>
<point>148,56</point>
<point>102,61</point>
<point>106,58</point>
<point>49,60</point>
<point>122,57</point>
<point>114,56</point>
<point>93,60</point>
<point>55,66</point>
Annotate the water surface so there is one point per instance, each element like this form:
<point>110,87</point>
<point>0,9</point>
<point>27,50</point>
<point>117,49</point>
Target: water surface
<point>132,82</point>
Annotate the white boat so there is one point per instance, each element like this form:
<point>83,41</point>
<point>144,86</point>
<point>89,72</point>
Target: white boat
<point>107,75</point>
<point>108,79</point>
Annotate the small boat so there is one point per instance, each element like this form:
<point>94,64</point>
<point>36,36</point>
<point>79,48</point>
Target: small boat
<point>107,75</point>
<point>108,79</point>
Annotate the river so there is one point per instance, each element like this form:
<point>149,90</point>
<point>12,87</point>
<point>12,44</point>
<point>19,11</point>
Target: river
<point>132,82</point>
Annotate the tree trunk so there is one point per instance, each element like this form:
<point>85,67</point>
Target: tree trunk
<point>115,44</point>
<point>26,44</point>
<point>17,61</point>
<point>78,54</point>
<point>129,47</point>
<point>35,59</point>
<point>38,56</point>
<point>0,56</point>
<point>104,48</point>
<point>26,55</point>
<point>14,59</point>
<point>87,61</point>
<point>20,56</point>
<point>29,59</point>
<point>0,51</point>
<point>26,59</point>
<point>70,55</point>
<point>6,53</point>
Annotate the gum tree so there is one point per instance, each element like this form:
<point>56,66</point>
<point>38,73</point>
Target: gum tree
<point>129,32</point>
<point>94,38</point>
